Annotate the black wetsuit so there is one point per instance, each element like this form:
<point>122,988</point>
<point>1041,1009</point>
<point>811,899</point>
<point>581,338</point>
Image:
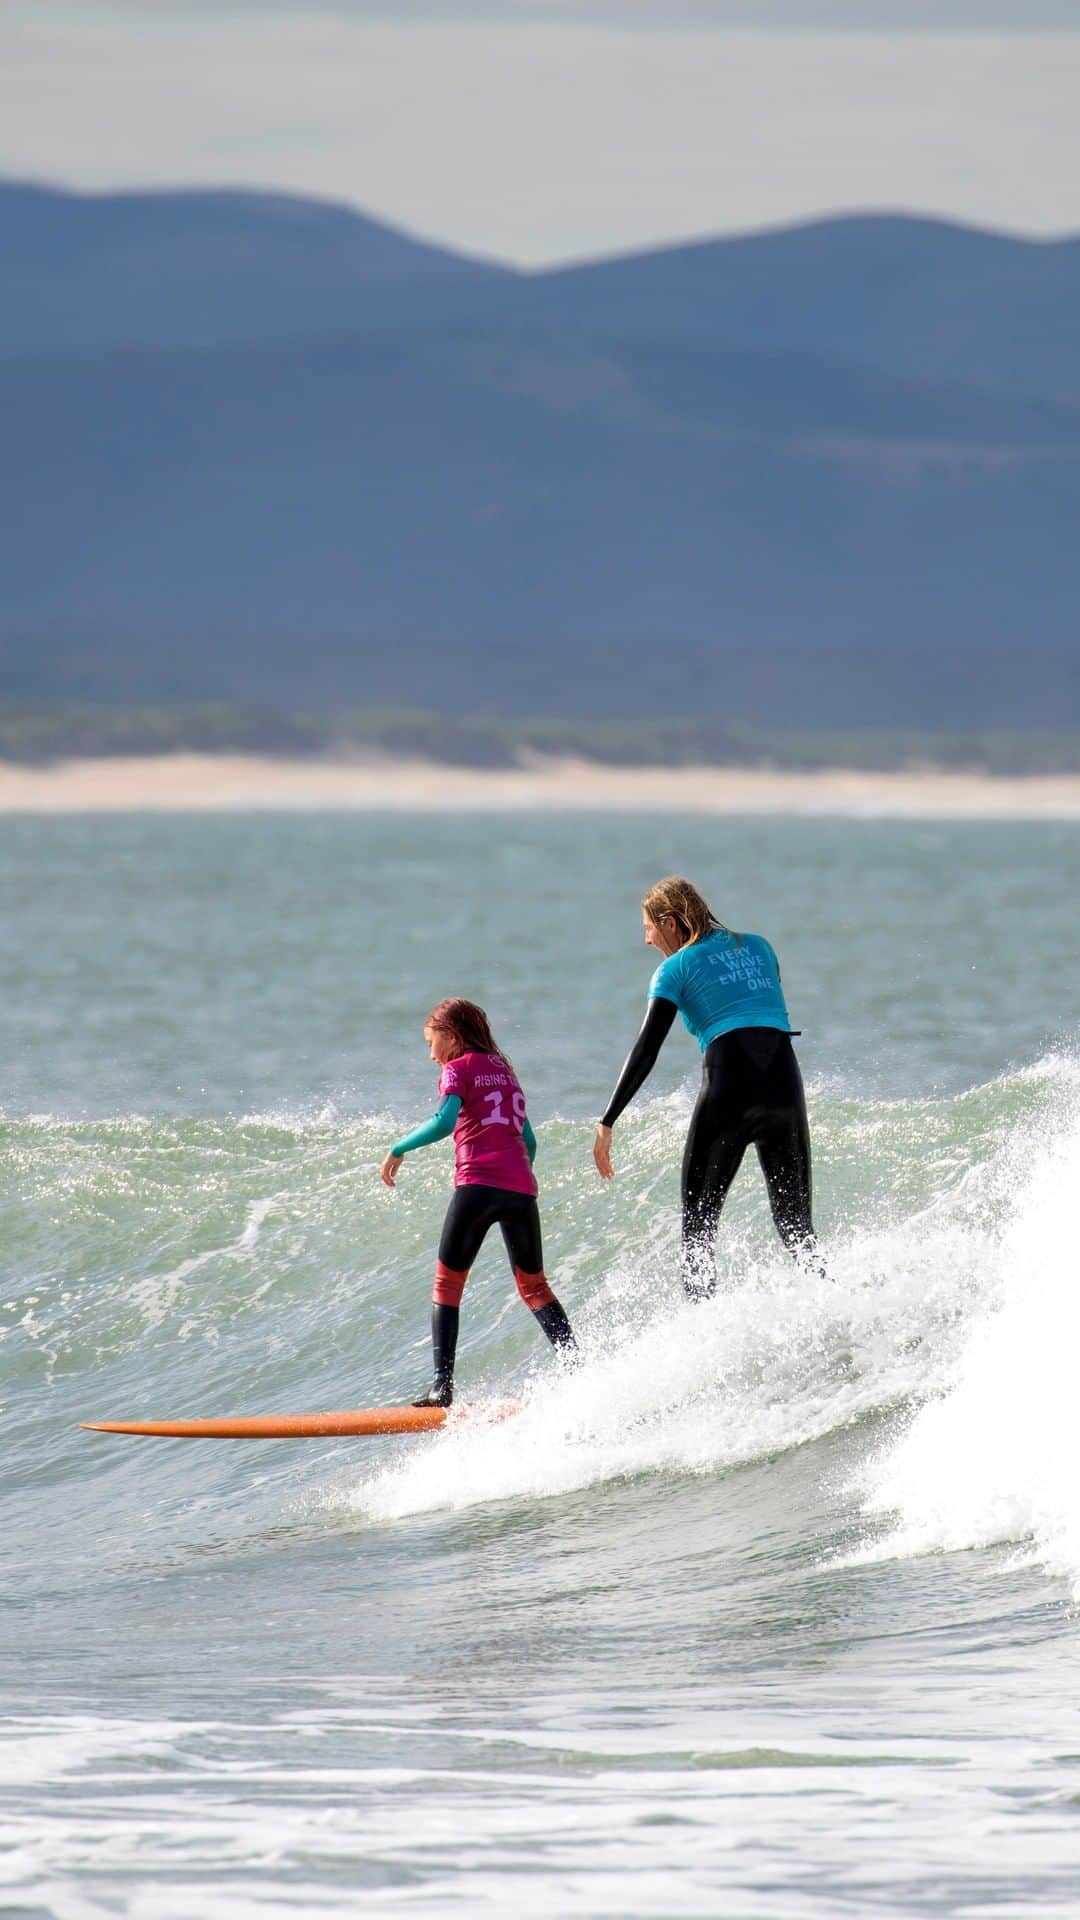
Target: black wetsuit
<point>751,1095</point>
<point>473,1211</point>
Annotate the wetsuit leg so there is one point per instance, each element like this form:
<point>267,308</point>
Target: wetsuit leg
<point>520,1223</point>
<point>445,1321</point>
<point>782,1139</point>
<point>751,1092</point>
<point>715,1146</point>
<point>471,1212</point>
<point>784,1152</point>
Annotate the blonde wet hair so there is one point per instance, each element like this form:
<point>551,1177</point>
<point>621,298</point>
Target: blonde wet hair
<point>688,908</point>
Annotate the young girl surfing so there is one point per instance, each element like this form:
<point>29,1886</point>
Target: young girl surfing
<point>494,1148</point>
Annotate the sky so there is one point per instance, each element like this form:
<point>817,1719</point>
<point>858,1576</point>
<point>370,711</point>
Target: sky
<point>538,131</point>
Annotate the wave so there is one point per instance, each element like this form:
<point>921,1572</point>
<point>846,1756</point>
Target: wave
<point>222,1266</point>
<point>991,1458</point>
<point>927,1306</point>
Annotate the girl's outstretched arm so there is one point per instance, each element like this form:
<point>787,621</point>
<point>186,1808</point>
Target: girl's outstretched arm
<point>436,1128</point>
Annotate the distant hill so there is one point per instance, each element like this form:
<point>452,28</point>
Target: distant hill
<point>83,272</point>
<point>826,477</point>
<point>922,298</point>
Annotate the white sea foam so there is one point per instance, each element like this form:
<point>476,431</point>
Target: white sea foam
<point>965,1307</point>
<point>783,1359</point>
<point>994,1459</point>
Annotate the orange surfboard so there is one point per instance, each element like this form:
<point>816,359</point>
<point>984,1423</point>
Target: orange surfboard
<point>304,1426</point>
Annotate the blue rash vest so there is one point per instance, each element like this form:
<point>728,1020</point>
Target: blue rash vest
<point>721,982</point>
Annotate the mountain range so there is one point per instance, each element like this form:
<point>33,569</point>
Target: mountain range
<point>259,447</point>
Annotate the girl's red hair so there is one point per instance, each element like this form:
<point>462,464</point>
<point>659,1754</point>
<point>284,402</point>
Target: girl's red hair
<point>468,1024</point>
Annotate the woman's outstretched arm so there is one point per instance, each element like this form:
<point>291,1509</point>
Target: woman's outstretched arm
<point>639,1063</point>
<point>641,1059</point>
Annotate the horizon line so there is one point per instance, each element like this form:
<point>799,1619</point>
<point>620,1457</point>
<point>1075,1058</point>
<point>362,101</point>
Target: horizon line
<point>707,237</point>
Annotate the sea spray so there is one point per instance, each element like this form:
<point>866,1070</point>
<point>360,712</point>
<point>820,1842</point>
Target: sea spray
<point>994,1459</point>
<point>780,1355</point>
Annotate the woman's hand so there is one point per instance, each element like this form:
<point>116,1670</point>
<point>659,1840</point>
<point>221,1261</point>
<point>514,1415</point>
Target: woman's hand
<point>388,1170</point>
<point>601,1152</point>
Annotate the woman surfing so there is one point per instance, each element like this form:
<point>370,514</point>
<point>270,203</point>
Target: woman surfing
<point>483,1106</point>
<point>727,987</point>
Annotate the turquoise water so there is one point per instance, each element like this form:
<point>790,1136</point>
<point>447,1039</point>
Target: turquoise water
<point>769,1610</point>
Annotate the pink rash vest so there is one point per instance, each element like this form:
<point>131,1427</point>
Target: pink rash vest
<point>489,1145</point>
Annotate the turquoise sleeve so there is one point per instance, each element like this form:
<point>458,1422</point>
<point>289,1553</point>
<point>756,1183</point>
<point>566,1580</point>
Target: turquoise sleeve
<point>436,1128</point>
<point>529,1138</point>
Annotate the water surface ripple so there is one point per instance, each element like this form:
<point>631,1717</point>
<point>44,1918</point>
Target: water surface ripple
<point>768,1610</point>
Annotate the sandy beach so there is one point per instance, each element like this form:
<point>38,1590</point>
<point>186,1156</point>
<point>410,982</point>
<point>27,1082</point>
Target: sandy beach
<point>238,782</point>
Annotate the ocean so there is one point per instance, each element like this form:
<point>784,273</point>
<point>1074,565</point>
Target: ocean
<point>770,1609</point>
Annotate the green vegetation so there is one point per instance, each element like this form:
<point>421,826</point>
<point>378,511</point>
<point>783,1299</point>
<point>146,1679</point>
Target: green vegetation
<point>37,733</point>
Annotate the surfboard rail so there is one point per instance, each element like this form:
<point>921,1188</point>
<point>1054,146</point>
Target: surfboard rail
<point>284,1426</point>
<point>351,1422</point>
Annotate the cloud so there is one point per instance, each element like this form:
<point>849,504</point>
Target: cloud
<point>538,143</point>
